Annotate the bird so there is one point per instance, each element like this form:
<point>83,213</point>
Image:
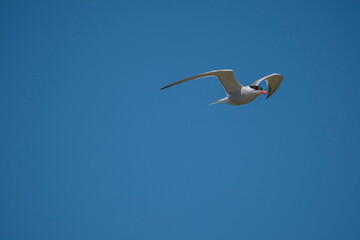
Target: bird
<point>236,93</point>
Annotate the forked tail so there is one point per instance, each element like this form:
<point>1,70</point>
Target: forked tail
<point>224,100</point>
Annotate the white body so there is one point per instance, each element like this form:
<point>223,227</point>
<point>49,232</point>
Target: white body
<point>236,93</point>
<point>244,96</point>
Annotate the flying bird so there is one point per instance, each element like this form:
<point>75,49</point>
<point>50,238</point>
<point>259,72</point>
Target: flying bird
<point>236,93</point>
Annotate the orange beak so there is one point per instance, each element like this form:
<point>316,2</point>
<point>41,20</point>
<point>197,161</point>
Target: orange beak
<point>263,92</point>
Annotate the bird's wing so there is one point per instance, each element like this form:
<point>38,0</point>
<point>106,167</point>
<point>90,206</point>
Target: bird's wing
<point>226,77</point>
<point>273,81</point>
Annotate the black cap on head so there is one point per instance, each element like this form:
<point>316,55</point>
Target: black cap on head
<point>256,87</point>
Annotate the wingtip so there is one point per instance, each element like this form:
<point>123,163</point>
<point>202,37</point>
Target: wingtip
<point>278,74</point>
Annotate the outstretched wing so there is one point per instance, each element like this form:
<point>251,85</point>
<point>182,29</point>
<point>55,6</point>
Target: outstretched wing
<point>226,77</point>
<point>273,81</point>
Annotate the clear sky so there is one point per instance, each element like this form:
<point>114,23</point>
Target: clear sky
<point>90,147</point>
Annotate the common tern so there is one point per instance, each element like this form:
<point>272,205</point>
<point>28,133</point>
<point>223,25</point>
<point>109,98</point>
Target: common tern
<point>236,93</point>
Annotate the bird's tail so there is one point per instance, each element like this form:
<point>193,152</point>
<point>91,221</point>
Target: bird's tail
<point>220,101</point>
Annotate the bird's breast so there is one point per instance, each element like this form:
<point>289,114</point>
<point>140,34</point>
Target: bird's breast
<point>241,98</point>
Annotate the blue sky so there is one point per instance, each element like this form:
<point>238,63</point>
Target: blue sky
<point>92,149</point>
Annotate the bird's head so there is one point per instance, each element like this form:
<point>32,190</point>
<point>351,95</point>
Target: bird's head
<point>257,89</point>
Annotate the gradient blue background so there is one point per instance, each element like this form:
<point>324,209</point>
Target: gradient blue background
<point>91,148</point>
